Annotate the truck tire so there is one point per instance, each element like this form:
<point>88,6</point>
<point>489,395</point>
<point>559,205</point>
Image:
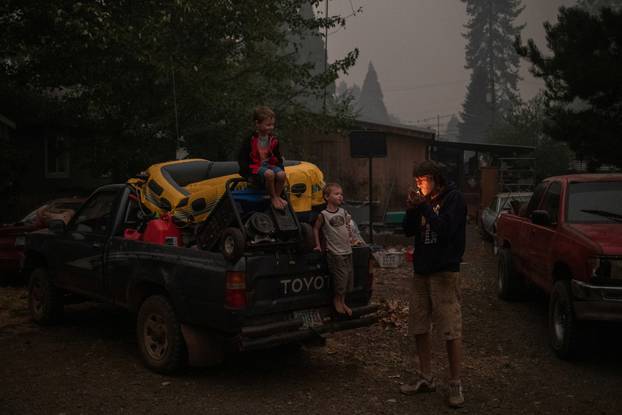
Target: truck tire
<point>45,301</point>
<point>564,330</point>
<point>509,285</point>
<point>232,244</point>
<point>158,333</point>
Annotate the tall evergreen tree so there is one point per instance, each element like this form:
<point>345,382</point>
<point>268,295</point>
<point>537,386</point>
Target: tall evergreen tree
<point>452,129</point>
<point>371,102</point>
<point>490,49</point>
<point>477,117</point>
<point>583,96</point>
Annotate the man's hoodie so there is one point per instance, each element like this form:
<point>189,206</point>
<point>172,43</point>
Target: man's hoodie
<point>439,228</point>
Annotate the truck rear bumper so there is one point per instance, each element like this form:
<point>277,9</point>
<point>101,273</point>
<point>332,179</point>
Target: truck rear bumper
<point>291,331</point>
<point>597,302</point>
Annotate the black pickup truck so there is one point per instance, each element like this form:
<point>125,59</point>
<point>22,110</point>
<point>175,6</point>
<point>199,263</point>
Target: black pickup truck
<point>190,305</point>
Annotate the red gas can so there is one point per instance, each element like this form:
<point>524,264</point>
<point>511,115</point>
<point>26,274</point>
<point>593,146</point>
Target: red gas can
<point>162,231</point>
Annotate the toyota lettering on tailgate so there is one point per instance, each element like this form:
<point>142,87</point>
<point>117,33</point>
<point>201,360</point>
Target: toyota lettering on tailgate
<point>304,284</point>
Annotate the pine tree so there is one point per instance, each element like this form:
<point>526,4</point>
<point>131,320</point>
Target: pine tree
<point>452,129</point>
<point>477,117</point>
<point>490,51</point>
<point>371,102</point>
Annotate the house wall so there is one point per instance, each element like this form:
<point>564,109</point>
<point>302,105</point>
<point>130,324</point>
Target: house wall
<point>391,175</point>
<point>34,187</point>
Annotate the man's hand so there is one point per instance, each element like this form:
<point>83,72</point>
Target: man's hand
<point>415,198</point>
<point>317,248</point>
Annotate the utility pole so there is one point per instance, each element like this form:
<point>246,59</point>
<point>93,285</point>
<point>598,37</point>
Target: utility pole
<point>325,54</point>
<point>438,126</point>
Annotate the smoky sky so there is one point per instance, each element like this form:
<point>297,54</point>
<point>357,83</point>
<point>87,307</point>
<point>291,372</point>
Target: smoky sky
<point>417,49</point>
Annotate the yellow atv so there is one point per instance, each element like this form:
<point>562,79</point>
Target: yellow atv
<point>189,189</point>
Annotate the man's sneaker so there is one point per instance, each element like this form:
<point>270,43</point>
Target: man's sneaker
<point>422,384</point>
<point>456,399</point>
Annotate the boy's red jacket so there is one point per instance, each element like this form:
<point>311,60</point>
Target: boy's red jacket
<point>249,160</point>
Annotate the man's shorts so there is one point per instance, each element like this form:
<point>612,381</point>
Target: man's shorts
<point>436,298</point>
<point>262,171</point>
<point>340,268</point>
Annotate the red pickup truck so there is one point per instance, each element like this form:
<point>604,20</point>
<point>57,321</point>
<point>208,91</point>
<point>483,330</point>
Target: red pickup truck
<point>567,241</point>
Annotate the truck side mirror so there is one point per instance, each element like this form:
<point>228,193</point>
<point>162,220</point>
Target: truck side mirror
<point>541,217</point>
<point>56,226</point>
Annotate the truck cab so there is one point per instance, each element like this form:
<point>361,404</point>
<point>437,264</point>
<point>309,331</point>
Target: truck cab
<point>568,242</point>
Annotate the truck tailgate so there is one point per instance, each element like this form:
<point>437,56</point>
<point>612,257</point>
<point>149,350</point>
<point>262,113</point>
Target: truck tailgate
<point>278,283</point>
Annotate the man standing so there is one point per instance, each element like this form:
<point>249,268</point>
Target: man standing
<point>436,216</point>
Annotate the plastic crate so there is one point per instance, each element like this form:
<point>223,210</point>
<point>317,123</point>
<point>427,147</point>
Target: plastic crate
<point>389,259</point>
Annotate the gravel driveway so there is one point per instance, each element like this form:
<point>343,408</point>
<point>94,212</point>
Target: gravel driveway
<point>89,364</point>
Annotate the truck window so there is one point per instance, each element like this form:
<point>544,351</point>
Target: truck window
<point>95,216</point>
<point>550,202</point>
<point>535,199</point>
<point>595,202</point>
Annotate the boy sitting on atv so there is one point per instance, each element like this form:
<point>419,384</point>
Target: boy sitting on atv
<point>260,158</point>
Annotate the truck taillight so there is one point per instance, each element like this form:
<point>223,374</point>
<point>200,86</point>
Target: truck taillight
<point>235,290</point>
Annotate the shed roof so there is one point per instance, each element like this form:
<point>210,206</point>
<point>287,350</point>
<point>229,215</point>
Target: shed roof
<point>397,129</point>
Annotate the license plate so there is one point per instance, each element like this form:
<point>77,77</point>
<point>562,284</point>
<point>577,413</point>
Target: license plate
<point>20,241</point>
<point>310,318</point>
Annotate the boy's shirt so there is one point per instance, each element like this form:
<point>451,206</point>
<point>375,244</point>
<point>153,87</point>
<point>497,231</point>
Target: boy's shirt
<point>336,231</point>
<point>263,147</point>
<point>251,155</point>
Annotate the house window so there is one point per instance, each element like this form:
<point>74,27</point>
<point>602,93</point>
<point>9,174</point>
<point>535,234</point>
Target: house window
<point>56,157</point>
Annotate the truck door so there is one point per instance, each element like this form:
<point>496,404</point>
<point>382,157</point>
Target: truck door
<point>541,237</point>
<point>520,250</point>
<point>79,251</point>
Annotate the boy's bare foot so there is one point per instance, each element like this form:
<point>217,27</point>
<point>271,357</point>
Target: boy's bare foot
<point>339,307</point>
<point>277,203</point>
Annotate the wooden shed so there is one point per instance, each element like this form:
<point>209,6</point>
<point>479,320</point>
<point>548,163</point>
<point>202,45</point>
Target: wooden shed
<point>392,175</point>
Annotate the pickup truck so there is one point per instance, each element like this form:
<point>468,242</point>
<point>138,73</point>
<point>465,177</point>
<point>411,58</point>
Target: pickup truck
<point>567,241</point>
<point>191,305</point>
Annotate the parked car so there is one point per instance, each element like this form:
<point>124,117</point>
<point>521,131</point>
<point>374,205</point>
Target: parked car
<point>567,241</point>
<point>502,202</point>
<point>13,235</point>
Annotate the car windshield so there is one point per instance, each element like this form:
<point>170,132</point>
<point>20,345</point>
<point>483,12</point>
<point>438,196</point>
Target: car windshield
<point>596,202</point>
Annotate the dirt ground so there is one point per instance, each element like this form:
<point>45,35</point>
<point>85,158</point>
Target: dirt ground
<point>89,364</point>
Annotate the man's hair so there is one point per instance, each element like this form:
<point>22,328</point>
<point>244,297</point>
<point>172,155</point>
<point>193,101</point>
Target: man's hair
<point>329,188</point>
<point>262,113</point>
<point>430,168</point>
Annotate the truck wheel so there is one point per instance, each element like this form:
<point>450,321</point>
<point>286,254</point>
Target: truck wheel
<point>232,244</point>
<point>45,301</point>
<point>159,336</point>
<point>307,239</point>
<point>509,285</point>
<point>564,330</point>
